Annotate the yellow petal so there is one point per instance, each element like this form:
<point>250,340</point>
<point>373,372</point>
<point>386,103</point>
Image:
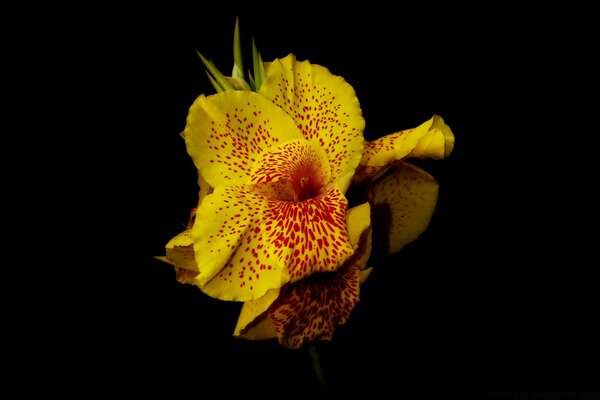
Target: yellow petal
<point>364,275</point>
<point>205,188</point>
<point>225,133</point>
<point>179,252</point>
<point>247,240</point>
<point>358,220</point>
<point>325,108</point>
<point>362,253</point>
<point>311,309</point>
<point>360,234</point>
<point>404,202</point>
<point>431,139</point>
<point>252,324</point>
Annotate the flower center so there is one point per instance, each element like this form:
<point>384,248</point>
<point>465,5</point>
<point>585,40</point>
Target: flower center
<point>307,182</point>
<point>300,166</point>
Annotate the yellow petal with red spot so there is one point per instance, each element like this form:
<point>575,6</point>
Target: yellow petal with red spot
<point>226,132</point>
<point>325,108</point>
<point>432,139</point>
<point>252,320</point>
<point>405,201</point>
<point>249,239</point>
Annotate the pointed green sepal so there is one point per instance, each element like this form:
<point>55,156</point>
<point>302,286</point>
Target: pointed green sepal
<point>238,65</point>
<point>215,73</point>
<point>258,66</point>
<point>252,84</point>
<point>215,84</point>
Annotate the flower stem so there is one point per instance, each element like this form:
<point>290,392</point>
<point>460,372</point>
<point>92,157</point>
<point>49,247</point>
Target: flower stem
<point>316,362</point>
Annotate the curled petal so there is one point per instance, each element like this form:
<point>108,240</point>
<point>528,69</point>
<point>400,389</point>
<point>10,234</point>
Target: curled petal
<point>226,132</point>
<point>325,108</point>
<point>310,309</point>
<point>432,139</point>
<point>438,143</point>
<point>248,240</point>
<point>403,204</point>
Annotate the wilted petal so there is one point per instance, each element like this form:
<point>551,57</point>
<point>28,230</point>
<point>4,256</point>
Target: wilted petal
<point>324,107</point>
<point>227,131</point>
<point>432,139</point>
<point>247,239</point>
<point>404,202</point>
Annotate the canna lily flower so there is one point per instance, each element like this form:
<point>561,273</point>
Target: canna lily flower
<point>276,155</point>
<point>279,162</point>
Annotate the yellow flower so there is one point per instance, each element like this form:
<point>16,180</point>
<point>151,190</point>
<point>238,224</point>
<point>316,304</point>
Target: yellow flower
<point>272,228</point>
<point>279,162</point>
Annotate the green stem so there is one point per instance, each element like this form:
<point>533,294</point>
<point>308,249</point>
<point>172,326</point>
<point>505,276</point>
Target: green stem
<point>316,362</point>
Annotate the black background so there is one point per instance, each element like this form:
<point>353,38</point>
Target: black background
<point>497,295</point>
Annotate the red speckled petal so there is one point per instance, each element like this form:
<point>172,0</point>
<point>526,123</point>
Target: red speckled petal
<point>248,240</point>
<point>226,132</point>
<point>312,309</point>
<point>324,107</point>
<point>432,139</point>
<point>409,196</point>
